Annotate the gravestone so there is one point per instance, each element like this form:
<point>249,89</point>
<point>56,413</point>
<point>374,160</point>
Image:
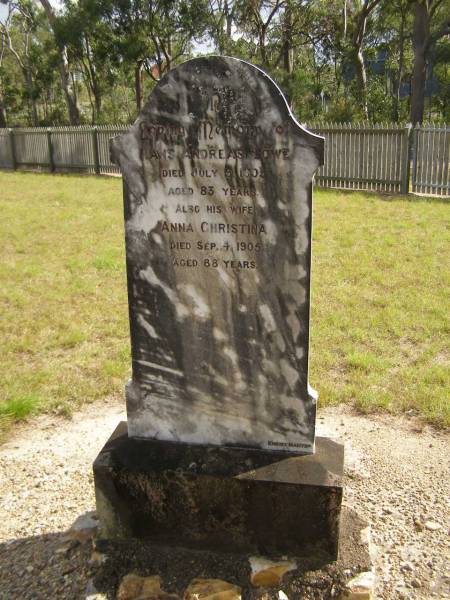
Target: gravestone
<point>218,215</point>
<point>218,236</point>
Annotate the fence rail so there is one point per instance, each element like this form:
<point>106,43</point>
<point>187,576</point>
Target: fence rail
<point>388,158</point>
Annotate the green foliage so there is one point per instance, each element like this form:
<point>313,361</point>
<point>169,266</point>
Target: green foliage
<point>118,49</point>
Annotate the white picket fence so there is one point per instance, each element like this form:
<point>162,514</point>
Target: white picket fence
<point>83,149</point>
<point>387,158</point>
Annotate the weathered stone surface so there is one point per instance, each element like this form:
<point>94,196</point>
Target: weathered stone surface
<point>212,589</point>
<point>231,499</point>
<point>218,208</point>
<point>267,573</point>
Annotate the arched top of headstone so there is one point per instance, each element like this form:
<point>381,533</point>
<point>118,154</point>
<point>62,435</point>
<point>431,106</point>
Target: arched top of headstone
<point>247,106</point>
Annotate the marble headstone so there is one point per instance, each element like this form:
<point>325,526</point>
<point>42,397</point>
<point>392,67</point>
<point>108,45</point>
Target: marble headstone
<point>218,209</point>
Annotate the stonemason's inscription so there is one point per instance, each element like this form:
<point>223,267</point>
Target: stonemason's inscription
<point>217,186</point>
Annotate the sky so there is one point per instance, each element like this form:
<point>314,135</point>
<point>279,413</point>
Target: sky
<point>4,9</point>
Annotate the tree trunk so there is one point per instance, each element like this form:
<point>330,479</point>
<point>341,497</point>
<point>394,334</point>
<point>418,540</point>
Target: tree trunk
<point>358,43</point>
<point>229,19</point>
<point>262,45</point>
<point>361,78</point>
<point>399,78</point>
<point>71,100</point>
<point>420,39</point>
<point>3,123</point>
<point>32,99</point>
<point>288,51</point>
<point>138,85</point>
<point>93,81</point>
<point>97,99</point>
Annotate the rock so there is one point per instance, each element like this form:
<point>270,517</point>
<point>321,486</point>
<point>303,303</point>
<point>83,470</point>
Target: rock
<point>81,536</point>
<point>365,535</point>
<point>86,521</point>
<point>282,595</point>
<point>406,566</point>
<point>432,525</point>
<point>416,582</point>
<point>267,573</point>
<point>212,589</point>
<point>360,587</point>
<point>134,587</point>
<point>418,524</point>
<point>66,546</point>
<point>97,559</point>
<point>92,593</point>
<point>83,529</point>
<point>402,592</point>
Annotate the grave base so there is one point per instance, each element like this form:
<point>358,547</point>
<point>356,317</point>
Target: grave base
<point>220,498</point>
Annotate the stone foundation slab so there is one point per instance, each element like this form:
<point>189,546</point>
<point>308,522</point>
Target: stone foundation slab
<point>220,498</point>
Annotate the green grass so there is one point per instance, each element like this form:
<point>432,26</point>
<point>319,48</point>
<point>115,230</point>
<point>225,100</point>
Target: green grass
<point>64,324</point>
<point>380,298</point>
<point>380,324</point>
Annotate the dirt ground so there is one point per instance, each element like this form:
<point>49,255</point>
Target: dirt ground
<point>397,477</point>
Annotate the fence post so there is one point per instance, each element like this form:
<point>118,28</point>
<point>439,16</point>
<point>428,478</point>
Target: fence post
<point>12,149</point>
<point>51,162</point>
<point>404,189</point>
<point>95,148</point>
<point>414,149</point>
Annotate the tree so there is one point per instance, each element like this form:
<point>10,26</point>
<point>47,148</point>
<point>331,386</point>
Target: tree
<point>358,14</point>
<point>3,122</point>
<point>87,39</point>
<point>431,23</point>
<point>17,32</point>
<point>402,9</point>
<point>64,70</point>
<point>222,15</point>
<point>257,18</point>
<point>153,35</point>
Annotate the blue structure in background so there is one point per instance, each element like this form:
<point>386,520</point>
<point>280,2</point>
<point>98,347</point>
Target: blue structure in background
<point>378,67</point>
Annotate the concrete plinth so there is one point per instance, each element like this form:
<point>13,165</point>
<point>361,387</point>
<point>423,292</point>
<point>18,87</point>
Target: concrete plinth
<point>214,498</point>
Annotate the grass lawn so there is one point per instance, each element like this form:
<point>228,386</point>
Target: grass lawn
<point>380,298</point>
